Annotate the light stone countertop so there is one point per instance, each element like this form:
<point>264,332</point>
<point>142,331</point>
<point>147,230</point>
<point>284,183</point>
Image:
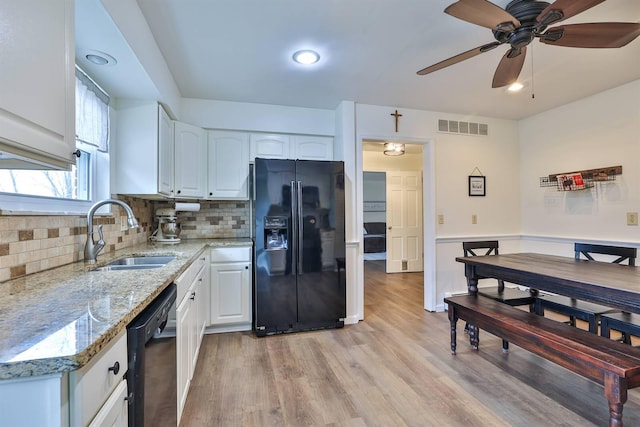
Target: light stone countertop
<point>57,320</point>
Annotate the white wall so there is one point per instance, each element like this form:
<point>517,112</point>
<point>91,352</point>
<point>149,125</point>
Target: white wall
<point>599,131</point>
<point>212,114</point>
<point>456,156</point>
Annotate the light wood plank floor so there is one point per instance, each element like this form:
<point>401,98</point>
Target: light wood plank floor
<point>392,369</point>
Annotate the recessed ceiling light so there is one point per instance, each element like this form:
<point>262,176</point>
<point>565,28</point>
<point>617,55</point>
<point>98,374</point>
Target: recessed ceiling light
<point>306,57</point>
<point>515,87</point>
<point>100,58</point>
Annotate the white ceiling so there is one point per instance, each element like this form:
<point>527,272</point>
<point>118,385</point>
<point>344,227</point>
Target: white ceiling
<point>370,51</point>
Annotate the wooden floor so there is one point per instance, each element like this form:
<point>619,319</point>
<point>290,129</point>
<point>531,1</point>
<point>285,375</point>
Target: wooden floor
<point>392,369</point>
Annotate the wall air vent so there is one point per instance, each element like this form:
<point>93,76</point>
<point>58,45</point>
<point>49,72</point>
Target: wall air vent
<point>466,128</point>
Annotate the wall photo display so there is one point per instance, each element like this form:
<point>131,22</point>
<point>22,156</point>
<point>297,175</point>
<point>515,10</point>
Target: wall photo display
<point>477,185</point>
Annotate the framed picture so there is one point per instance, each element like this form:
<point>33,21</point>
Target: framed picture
<point>477,185</point>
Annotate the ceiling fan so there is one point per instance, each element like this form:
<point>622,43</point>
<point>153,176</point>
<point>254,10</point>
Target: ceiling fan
<point>523,20</point>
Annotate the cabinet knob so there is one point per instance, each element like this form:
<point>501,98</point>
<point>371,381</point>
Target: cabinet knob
<point>77,153</point>
<point>179,191</point>
<point>193,296</point>
<point>211,193</point>
<point>115,368</point>
<point>246,267</point>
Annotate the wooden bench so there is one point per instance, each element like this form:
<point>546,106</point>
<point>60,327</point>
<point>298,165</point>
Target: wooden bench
<point>612,364</point>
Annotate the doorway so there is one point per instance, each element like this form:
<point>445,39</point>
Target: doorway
<point>392,207</point>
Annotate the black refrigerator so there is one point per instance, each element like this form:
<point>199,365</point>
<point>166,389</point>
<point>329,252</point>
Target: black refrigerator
<point>299,282</point>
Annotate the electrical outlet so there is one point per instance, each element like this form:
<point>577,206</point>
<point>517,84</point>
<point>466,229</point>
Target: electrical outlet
<point>440,219</point>
<point>124,225</point>
<point>632,218</point>
<point>474,219</point>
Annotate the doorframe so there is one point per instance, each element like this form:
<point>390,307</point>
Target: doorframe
<point>428,217</point>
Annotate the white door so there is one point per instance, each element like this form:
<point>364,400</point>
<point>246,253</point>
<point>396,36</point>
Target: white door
<point>404,221</point>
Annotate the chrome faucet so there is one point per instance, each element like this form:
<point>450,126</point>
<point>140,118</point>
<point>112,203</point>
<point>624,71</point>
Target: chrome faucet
<point>91,248</point>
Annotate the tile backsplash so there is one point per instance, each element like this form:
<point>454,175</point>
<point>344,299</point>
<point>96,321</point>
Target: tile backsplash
<point>215,219</point>
<point>33,243</point>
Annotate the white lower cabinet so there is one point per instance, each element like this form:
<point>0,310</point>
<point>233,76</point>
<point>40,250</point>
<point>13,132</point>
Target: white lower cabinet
<point>115,410</point>
<point>98,390</point>
<point>93,395</point>
<point>190,323</point>
<point>230,297</point>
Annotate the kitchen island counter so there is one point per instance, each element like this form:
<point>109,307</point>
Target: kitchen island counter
<point>57,320</point>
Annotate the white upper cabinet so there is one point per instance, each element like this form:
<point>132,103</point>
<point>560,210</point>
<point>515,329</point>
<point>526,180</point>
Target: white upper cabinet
<point>37,83</point>
<point>228,172</point>
<point>155,156</point>
<point>165,150</point>
<point>306,147</point>
<point>143,148</point>
<point>190,166</point>
<point>270,146</point>
<point>302,147</point>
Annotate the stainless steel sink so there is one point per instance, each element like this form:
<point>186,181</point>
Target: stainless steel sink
<point>136,263</point>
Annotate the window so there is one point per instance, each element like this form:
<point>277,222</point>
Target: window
<point>68,191</point>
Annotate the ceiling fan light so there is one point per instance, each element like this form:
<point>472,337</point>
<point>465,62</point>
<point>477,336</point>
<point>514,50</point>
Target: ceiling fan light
<point>515,87</point>
<point>393,149</point>
<point>306,57</point>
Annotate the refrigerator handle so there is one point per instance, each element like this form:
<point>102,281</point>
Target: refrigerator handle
<point>294,227</point>
<point>299,219</point>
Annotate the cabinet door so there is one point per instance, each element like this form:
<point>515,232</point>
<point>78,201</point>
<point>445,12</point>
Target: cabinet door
<point>183,357</point>
<point>114,413</point>
<point>196,328</point>
<point>230,293</point>
<point>228,165</point>
<point>190,160</point>
<point>165,153</point>
<point>269,146</point>
<point>37,83</point>
<point>92,385</point>
<point>203,301</point>
<point>306,147</point>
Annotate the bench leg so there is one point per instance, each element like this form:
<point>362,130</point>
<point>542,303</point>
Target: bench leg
<point>615,390</point>
<point>453,320</point>
<point>474,336</point>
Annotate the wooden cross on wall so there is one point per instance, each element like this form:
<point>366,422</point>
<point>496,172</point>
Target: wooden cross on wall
<point>397,116</point>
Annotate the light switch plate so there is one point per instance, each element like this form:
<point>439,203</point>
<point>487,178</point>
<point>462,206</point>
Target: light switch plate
<point>632,218</point>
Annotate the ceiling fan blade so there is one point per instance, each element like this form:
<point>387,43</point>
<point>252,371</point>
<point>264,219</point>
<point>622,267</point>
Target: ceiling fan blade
<point>509,68</point>
<point>592,35</point>
<point>483,13</point>
<point>564,9</point>
<point>459,58</point>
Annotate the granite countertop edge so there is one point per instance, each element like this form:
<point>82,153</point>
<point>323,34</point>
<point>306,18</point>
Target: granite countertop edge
<point>42,296</point>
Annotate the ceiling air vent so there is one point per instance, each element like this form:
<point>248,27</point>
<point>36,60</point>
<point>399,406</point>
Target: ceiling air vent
<point>466,128</point>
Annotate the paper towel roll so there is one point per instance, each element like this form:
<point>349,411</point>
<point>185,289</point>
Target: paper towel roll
<point>187,207</point>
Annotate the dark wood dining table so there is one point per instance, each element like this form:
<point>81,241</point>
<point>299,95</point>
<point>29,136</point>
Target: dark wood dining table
<point>613,285</point>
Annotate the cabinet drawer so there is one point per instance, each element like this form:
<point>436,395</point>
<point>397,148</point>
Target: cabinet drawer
<point>237,254</point>
<point>185,280</point>
<point>91,385</point>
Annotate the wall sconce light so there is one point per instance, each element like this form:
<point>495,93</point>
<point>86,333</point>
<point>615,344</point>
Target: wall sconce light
<point>393,149</point>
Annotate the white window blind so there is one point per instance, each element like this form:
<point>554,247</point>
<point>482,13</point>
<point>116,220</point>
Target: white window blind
<point>92,112</point>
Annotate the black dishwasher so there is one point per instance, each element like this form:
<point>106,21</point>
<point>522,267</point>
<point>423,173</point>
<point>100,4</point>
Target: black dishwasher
<point>152,365</point>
